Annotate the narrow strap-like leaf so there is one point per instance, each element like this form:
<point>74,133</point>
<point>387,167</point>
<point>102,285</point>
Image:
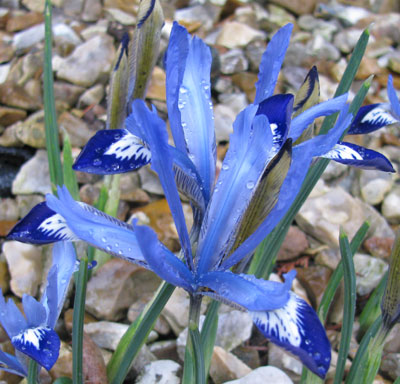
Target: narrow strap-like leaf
<point>69,174</point>
<point>209,333</point>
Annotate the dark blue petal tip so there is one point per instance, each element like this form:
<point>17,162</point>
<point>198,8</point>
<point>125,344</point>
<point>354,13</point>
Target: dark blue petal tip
<point>42,344</point>
<point>296,328</point>
<point>41,226</point>
<point>112,151</point>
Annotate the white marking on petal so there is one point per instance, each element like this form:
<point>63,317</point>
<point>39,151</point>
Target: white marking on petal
<point>379,115</point>
<point>30,337</point>
<point>283,323</point>
<point>129,147</point>
<point>340,151</point>
<point>56,226</point>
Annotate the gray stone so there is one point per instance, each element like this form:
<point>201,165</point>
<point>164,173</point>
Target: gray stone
<point>92,96</point>
<point>235,35</point>
<point>254,52</point>
<point>67,93</point>
<point>206,14</point>
<point>391,365</point>
<point>8,210</point>
<point>32,131</point>
<point>78,131</point>
<point>150,182</point>
<point>236,101</point>
<point>88,62</point>
<point>34,176</point>
<point>224,117</point>
<point>262,375</point>
<point>29,37</point>
<point>160,372</point>
<point>25,266</point>
<point>92,10</point>
<point>323,49</point>
<point>281,359</point>
<point>65,36</point>
<point>4,71</point>
<point>369,272</point>
<point>347,39</point>
<point>233,61</point>
<point>121,17</point>
<point>374,185</point>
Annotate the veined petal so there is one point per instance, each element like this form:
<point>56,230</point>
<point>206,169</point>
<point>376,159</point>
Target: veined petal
<point>278,110</point>
<point>296,328</point>
<point>10,363</point>
<point>34,311</point>
<point>96,228</point>
<point>308,94</point>
<point>302,121</point>
<point>360,157</point>
<point>370,118</point>
<point>42,226</point>
<point>244,163</point>
<point>162,261</point>
<point>192,106</point>
<point>112,151</point>
<point>302,156</point>
<point>42,344</point>
<point>394,100</point>
<point>152,129</point>
<point>58,279</point>
<point>11,317</point>
<point>247,291</point>
<point>271,63</point>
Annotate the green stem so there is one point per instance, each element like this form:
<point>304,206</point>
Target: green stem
<point>32,372</point>
<point>77,322</point>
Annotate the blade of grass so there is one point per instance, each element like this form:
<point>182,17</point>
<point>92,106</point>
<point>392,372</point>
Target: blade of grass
<point>265,255</point>
<point>209,333</point>
<point>50,116</point>
<point>77,321</point>
<point>349,305</point>
<point>68,172</point>
<point>32,372</point>
<point>136,335</point>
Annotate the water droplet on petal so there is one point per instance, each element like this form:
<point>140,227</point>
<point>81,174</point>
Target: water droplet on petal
<point>317,355</point>
<point>96,162</point>
<point>108,248</point>
<point>115,167</point>
<point>307,341</point>
<point>250,185</point>
<point>183,90</point>
<point>103,239</point>
<point>116,244</point>
<point>225,167</point>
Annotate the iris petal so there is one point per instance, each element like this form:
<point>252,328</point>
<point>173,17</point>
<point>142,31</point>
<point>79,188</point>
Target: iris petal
<point>42,344</point>
<point>394,100</point>
<point>96,228</point>
<point>34,311</point>
<point>271,63</point>
<point>112,151</point>
<point>360,157</point>
<point>11,364</point>
<point>11,318</point>
<point>42,226</point>
<point>296,327</point>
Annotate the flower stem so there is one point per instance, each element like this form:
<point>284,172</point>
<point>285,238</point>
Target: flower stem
<point>32,372</point>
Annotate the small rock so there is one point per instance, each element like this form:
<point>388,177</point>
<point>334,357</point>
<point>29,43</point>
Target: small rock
<point>14,95</point>
<point>10,116</point>
<point>25,266</point>
<point>233,61</point>
<point>6,51</point>
<point>375,185</point>
<point>176,311</point>
<point>281,359</point>
<point>34,176</point>
<point>160,372</point>
<point>235,35</point>
<point>8,210</point>
<point>226,366</point>
<point>380,247</point>
<point>369,272</point>
<point>224,117</point>
<point>78,131</point>
<point>294,245</point>
<point>94,368</point>
<point>63,366</point>
<point>130,189</point>
<point>314,279</point>
<point>391,206</point>
<point>150,181</point>
<point>92,10</point>
<point>32,131</point>
<point>73,7</point>
<point>391,365</point>
<point>65,38</point>
<point>92,96</point>
<point>29,37</point>
<point>121,17</point>
<point>89,61</point>
<point>4,71</point>
<point>204,14</point>
<point>106,334</point>
<point>23,21</point>
<point>165,349</point>
<point>347,39</point>
<point>262,375</point>
<point>68,93</point>
<point>323,49</point>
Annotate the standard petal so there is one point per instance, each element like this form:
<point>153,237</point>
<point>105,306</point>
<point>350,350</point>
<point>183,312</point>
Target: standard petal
<point>296,327</point>
<point>11,318</point>
<point>10,363</point>
<point>42,226</point>
<point>302,121</point>
<point>42,344</point>
<point>360,157</point>
<point>308,94</point>
<point>96,228</point>
<point>245,161</point>
<point>152,129</point>
<point>162,261</point>
<point>112,151</point>
<point>278,110</point>
<point>394,100</point>
<point>271,63</point>
<point>191,105</point>
<point>34,311</point>
<point>372,117</point>
<point>247,291</point>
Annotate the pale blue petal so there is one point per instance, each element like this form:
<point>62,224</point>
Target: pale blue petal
<point>42,226</point>
<point>112,151</point>
<point>302,156</point>
<point>302,121</point>
<point>96,228</point>
<point>360,157</point>
<point>11,364</point>
<point>271,63</point>
<point>34,311</point>
<point>162,261</point>
<point>154,131</point>
<point>41,344</point>
<point>248,154</point>
<point>11,317</point>
<point>296,327</point>
<point>191,105</point>
<point>394,100</point>
<point>247,291</point>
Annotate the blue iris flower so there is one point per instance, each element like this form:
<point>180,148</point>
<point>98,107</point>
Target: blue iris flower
<point>33,335</point>
<point>259,179</point>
